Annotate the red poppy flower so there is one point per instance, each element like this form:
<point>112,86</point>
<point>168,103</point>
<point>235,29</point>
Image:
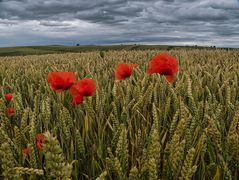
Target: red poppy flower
<point>84,87</point>
<point>124,70</point>
<point>26,151</point>
<point>164,64</point>
<point>40,139</point>
<point>60,81</point>
<point>10,111</point>
<point>77,100</point>
<point>8,96</point>
<point>39,146</point>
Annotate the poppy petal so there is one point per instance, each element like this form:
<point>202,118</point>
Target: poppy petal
<point>124,70</point>
<point>60,81</point>
<point>8,96</point>
<point>163,64</point>
<point>169,78</point>
<point>77,100</point>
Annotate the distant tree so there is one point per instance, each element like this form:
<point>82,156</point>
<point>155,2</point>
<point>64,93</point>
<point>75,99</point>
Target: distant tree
<point>77,44</point>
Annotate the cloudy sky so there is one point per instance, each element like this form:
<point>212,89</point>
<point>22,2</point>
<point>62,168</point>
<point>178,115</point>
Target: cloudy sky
<point>180,22</point>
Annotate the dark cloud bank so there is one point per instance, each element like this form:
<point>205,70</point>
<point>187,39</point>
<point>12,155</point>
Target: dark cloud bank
<point>181,22</point>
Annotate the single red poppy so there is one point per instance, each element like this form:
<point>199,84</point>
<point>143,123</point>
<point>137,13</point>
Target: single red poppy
<point>60,81</point>
<point>164,64</point>
<point>40,139</point>
<point>8,96</point>
<point>26,151</point>
<point>39,146</point>
<point>124,70</point>
<point>10,111</point>
<point>84,87</point>
<point>77,100</point>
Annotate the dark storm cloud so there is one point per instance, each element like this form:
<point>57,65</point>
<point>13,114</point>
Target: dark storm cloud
<point>119,21</point>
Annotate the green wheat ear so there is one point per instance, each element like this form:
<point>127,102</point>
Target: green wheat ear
<point>8,162</point>
<point>134,174</point>
<point>18,138</point>
<point>80,143</point>
<point>152,168</point>
<point>28,171</point>
<point>25,120</point>
<point>32,154</point>
<point>122,151</point>
<point>56,167</point>
<point>113,165</point>
<point>102,176</point>
<point>188,169</point>
<point>233,141</point>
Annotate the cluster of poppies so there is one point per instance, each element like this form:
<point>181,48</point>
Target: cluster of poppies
<point>61,81</point>
<point>163,64</point>
<point>10,110</point>
<point>40,139</point>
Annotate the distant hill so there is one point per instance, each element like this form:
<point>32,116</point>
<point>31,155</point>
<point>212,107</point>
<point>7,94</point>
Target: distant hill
<point>38,50</point>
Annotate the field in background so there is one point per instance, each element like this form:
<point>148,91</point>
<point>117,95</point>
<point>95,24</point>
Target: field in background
<point>139,128</point>
<point>38,50</point>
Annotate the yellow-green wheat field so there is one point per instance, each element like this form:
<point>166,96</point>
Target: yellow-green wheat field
<point>139,128</point>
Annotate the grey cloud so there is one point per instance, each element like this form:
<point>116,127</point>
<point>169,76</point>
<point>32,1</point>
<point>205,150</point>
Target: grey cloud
<point>203,14</point>
<point>118,21</point>
<point>54,23</point>
<point>8,22</point>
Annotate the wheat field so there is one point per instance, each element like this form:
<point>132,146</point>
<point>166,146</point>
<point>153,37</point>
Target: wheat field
<point>139,128</point>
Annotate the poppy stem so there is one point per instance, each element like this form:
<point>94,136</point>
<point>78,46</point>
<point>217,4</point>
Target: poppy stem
<point>62,97</point>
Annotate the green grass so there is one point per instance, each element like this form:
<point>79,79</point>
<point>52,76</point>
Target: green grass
<point>52,49</point>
